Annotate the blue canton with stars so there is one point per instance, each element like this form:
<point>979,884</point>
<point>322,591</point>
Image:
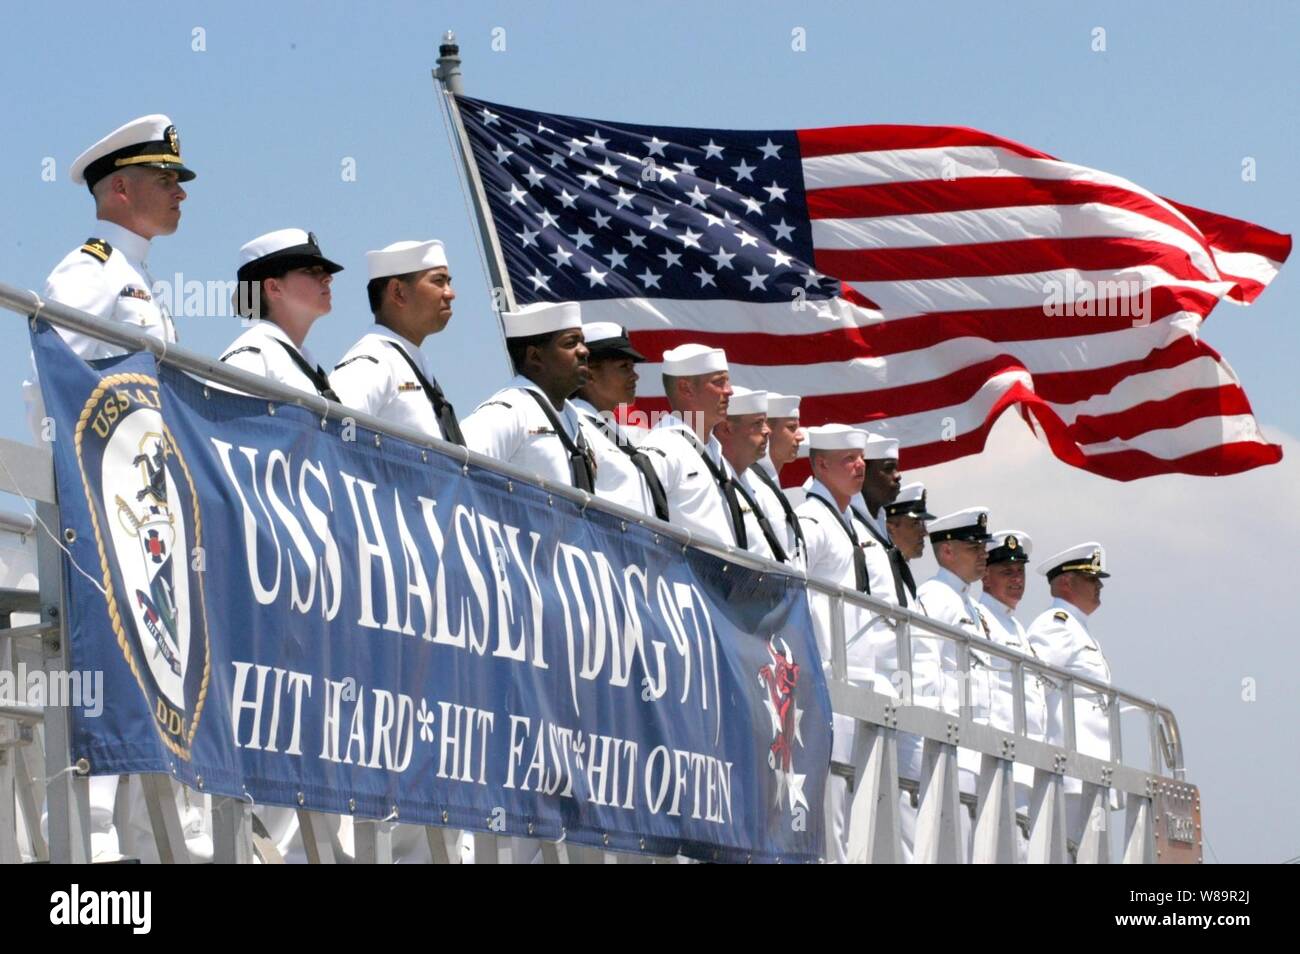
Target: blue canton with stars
<point>588,210</point>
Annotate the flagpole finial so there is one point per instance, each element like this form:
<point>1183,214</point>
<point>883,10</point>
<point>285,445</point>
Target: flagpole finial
<point>448,71</point>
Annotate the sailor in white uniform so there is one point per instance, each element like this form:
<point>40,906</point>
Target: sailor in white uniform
<point>743,436</point>
<point>763,479</point>
<point>959,542</point>
<point>834,538</point>
<point>1004,586</point>
<point>284,286</point>
<point>905,518</point>
<point>384,373</point>
<point>531,423</point>
<point>685,453</point>
<point>624,473</point>
<point>134,174</point>
<point>1061,638</point>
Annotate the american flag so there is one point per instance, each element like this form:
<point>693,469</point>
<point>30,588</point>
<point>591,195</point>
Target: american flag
<point>919,280</point>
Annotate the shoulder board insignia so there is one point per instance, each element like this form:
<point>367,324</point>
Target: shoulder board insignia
<point>359,357</point>
<point>97,248</point>
<point>654,450</point>
<point>497,403</point>
<point>250,348</point>
<point>408,386</point>
<point>1061,616</point>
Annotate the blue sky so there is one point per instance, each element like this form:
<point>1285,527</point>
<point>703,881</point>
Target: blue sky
<point>284,94</point>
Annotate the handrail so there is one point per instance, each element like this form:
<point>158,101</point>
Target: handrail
<point>29,304</point>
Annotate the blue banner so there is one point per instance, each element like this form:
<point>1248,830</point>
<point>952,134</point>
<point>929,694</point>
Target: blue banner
<point>314,615</point>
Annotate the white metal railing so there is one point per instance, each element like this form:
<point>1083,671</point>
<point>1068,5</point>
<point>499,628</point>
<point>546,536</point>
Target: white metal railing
<point>874,826</point>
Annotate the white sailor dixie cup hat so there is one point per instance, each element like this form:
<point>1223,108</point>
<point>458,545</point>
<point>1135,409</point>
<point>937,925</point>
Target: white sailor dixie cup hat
<point>688,360</point>
<point>971,524</point>
<point>1089,558</point>
<point>150,141</point>
<point>782,405</point>
<point>1010,546</point>
<point>608,339</point>
<point>405,258</point>
<point>542,318</point>
<point>880,448</point>
<point>910,502</point>
<point>744,401</point>
<point>836,437</point>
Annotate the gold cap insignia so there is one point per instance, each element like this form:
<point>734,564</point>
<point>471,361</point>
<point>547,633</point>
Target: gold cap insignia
<point>1012,542</point>
<point>173,140</point>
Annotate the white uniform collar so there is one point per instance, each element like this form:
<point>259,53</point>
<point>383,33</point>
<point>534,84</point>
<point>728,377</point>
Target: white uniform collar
<point>996,605</point>
<point>952,580</point>
<point>766,463</point>
<point>821,490</point>
<point>271,330</point>
<point>134,247</point>
<point>410,349</point>
<point>583,406</point>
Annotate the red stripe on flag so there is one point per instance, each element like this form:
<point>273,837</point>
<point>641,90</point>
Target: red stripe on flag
<point>1173,411</point>
<point>1235,235</point>
<point>832,140</point>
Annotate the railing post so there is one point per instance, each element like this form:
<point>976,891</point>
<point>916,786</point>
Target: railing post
<point>1047,819</point>
<point>995,819</point>
<point>232,831</point>
<point>67,786</point>
<point>874,836</point>
<point>938,826</point>
<point>1094,842</point>
<point>1139,834</point>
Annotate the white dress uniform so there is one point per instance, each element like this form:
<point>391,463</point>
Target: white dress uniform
<point>948,600</point>
<point>694,498</point>
<point>829,553</point>
<point>374,377</point>
<point>1006,630</point>
<point>107,277</point>
<point>1060,637</point>
<point>265,350</point>
<point>617,477</point>
<point>510,426</point>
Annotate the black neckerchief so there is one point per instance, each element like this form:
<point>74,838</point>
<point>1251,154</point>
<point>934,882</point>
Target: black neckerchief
<point>904,582</point>
<point>862,579</point>
<point>582,465</point>
<point>778,551</point>
<point>790,517</point>
<point>726,487</point>
<point>642,463</point>
<point>320,381</point>
<point>442,409</point>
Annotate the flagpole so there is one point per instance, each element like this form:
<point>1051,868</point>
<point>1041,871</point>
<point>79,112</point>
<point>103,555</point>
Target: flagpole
<point>448,76</point>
